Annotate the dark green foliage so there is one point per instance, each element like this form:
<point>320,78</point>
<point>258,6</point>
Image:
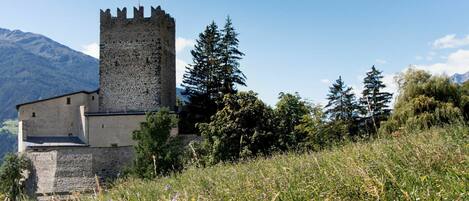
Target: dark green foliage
<point>213,73</point>
<point>464,90</point>
<point>425,101</point>
<point>243,128</point>
<point>374,102</point>
<point>11,177</point>
<point>342,102</point>
<point>156,152</point>
<point>342,109</point>
<point>230,56</point>
<point>201,81</point>
<point>311,127</point>
<point>289,111</point>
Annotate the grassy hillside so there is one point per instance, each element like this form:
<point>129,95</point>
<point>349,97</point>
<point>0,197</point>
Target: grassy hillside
<point>429,165</point>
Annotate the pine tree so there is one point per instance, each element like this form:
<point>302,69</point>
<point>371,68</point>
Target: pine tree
<point>374,102</point>
<point>342,104</point>
<point>230,56</point>
<point>201,77</point>
<point>201,80</point>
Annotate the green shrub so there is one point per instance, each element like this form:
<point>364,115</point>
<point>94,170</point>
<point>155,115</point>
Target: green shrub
<point>424,101</point>
<point>11,176</point>
<point>289,111</point>
<point>157,153</point>
<point>243,128</point>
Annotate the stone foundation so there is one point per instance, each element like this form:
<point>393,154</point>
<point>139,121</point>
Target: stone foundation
<point>62,170</point>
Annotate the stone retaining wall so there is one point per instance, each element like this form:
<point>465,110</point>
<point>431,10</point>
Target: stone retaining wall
<point>63,170</point>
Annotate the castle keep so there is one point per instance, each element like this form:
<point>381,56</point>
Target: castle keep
<point>137,62</point>
<point>74,137</point>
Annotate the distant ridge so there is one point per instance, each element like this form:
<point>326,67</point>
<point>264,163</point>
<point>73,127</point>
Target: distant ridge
<point>460,78</point>
<point>33,67</point>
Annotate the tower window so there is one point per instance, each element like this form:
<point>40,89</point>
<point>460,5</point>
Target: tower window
<point>34,114</point>
<point>92,97</point>
<point>69,101</point>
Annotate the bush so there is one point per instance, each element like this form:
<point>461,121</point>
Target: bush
<point>157,153</point>
<point>11,177</point>
<point>243,128</point>
<point>289,111</point>
<point>424,101</point>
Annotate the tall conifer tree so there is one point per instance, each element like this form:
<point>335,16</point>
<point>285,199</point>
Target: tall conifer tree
<point>374,102</point>
<point>201,81</point>
<point>230,56</point>
<point>342,104</point>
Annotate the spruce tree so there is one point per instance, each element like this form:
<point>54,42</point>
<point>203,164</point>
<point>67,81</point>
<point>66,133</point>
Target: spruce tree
<point>374,102</point>
<point>342,104</point>
<point>230,56</point>
<point>201,81</point>
<point>201,77</point>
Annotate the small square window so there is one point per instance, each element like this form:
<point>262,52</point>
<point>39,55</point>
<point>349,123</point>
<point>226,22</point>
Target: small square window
<point>69,101</point>
<point>34,114</point>
<point>92,97</point>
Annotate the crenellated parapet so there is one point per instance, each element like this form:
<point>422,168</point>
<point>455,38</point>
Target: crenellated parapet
<point>158,16</point>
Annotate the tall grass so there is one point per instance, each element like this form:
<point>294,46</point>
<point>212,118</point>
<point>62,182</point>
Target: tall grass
<point>431,165</point>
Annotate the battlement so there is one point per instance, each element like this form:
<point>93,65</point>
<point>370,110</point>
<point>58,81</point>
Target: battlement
<point>157,16</point>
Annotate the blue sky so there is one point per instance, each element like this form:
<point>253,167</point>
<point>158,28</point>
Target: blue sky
<point>291,46</point>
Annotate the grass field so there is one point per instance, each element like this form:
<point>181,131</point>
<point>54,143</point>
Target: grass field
<point>430,165</point>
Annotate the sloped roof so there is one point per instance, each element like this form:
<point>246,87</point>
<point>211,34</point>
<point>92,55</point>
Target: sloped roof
<point>60,96</point>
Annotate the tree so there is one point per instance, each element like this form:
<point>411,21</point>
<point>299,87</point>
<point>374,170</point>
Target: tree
<point>342,103</point>
<point>156,152</point>
<point>374,102</point>
<point>311,128</point>
<point>230,56</point>
<point>342,108</point>
<point>201,81</point>
<point>11,176</point>
<point>241,129</point>
<point>424,101</point>
<point>289,111</point>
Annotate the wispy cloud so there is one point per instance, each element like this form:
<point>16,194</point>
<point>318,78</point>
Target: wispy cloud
<point>180,69</point>
<point>183,43</point>
<point>325,81</point>
<point>456,62</point>
<point>450,41</point>
<point>91,49</point>
<point>183,46</point>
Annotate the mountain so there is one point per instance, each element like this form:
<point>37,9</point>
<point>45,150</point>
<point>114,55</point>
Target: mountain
<point>33,67</point>
<point>460,78</point>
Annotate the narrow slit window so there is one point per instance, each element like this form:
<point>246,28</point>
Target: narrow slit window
<point>92,97</point>
<point>34,114</point>
<point>69,101</point>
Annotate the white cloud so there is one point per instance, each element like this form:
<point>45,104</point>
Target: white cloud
<point>91,49</point>
<point>183,43</point>
<point>180,69</point>
<point>457,62</point>
<point>325,81</point>
<point>450,41</point>
<point>381,61</point>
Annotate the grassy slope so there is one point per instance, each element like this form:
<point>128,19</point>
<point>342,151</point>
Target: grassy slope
<point>428,165</point>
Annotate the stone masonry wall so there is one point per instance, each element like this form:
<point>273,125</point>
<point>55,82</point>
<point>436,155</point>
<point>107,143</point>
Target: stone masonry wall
<point>73,169</point>
<point>137,61</point>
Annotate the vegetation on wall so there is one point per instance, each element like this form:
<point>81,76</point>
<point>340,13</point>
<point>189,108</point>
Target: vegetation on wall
<point>11,177</point>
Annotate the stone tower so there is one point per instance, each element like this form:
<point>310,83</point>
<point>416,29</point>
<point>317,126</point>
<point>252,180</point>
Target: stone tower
<point>137,69</point>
